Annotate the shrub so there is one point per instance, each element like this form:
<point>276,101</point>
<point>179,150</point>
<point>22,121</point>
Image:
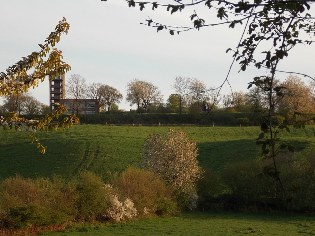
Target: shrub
<point>93,196</point>
<point>210,188</point>
<point>248,184</point>
<point>38,202</point>
<point>174,158</point>
<point>146,190</point>
<point>166,206</point>
<point>298,176</point>
<point>119,211</point>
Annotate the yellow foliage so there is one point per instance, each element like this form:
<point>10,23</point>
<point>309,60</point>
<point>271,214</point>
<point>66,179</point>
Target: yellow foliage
<point>30,71</point>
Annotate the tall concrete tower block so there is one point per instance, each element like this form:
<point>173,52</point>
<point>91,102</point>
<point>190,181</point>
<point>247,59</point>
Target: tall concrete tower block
<point>56,90</point>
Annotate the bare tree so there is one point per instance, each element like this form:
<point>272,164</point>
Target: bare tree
<point>197,90</point>
<point>199,95</point>
<point>93,93</point>
<point>227,101</point>
<point>76,89</point>
<point>143,94</point>
<point>181,88</point>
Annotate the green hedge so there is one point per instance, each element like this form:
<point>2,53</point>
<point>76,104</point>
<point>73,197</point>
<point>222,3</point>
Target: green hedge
<point>213,118</point>
<point>217,118</point>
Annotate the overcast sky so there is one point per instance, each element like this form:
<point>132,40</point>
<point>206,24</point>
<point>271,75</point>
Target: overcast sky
<point>107,44</point>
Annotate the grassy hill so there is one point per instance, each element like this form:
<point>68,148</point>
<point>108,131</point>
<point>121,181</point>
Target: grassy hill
<point>107,150</point>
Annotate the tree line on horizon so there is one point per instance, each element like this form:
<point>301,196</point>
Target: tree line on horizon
<point>190,96</point>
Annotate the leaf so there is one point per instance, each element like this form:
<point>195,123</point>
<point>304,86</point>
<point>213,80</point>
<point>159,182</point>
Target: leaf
<point>160,27</point>
<point>149,22</point>
<point>221,13</point>
<point>142,5</point>
<point>193,16</point>
<point>227,50</point>
<point>199,23</point>
<point>174,9</point>
<point>208,3</point>
<point>232,25</point>
<point>154,5</point>
<point>307,5</point>
<point>131,3</point>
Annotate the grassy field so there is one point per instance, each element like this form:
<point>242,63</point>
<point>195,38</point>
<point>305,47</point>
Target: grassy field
<point>107,150</point>
<point>205,224</point>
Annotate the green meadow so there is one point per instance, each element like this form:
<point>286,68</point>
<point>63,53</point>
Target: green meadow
<point>108,150</point>
<point>204,224</point>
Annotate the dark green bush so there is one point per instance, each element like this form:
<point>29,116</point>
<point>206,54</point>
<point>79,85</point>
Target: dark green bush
<point>243,121</point>
<point>247,183</point>
<point>210,189</point>
<point>246,186</point>
<point>92,196</point>
<point>166,206</point>
<point>298,176</point>
<point>204,118</point>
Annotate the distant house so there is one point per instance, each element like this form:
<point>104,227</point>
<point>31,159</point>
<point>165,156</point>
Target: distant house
<point>74,106</point>
<point>81,106</point>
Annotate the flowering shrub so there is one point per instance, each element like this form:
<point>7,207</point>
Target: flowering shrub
<point>174,157</point>
<point>119,211</point>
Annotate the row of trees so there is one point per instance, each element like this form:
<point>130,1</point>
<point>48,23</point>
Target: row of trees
<point>145,95</point>
<point>191,96</point>
<point>107,96</point>
<point>23,104</point>
<point>294,97</point>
